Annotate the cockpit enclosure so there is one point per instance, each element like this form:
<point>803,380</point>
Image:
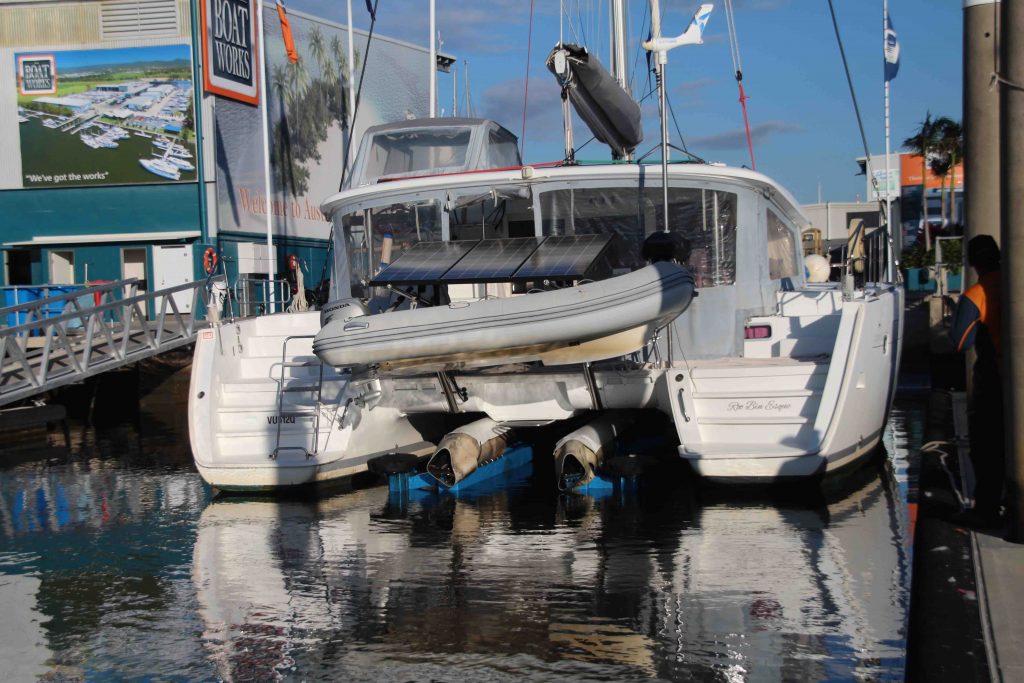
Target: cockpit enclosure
<point>743,239</point>
<point>423,147</point>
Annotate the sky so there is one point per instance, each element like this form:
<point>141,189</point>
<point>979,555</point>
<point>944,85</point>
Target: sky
<point>78,59</point>
<point>801,115</point>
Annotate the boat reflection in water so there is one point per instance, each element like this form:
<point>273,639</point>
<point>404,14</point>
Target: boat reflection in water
<point>519,582</point>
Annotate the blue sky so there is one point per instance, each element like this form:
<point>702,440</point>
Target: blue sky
<point>78,59</point>
<point>804,128</point>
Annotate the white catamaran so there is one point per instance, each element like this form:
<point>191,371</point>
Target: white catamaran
<point>467,285</point>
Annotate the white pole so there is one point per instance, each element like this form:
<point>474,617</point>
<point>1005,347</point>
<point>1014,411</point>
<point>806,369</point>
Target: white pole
<point>619,42</point>
<point>351,89</point>
<point>895,237</point>
<point>433,61</point>
<point>455,90</point>
<point>265,115</point>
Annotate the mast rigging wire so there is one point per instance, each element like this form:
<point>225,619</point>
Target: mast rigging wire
<point>883,220</point>
<point>737,67</point>
<point>355,112</point>
<point>526,90</point>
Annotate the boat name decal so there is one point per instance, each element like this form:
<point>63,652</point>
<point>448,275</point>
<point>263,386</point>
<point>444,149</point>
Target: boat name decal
<point>770,405</point>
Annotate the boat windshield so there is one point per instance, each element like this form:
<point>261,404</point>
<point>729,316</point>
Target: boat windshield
<point>410,151</point>
<point>706,218</point>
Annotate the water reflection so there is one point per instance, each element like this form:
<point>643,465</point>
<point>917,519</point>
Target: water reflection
<point>621,587</point>
<point>115,563</point>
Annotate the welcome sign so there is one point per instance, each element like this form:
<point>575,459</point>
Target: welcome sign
<point>37,75</point>
<point>230,65</point>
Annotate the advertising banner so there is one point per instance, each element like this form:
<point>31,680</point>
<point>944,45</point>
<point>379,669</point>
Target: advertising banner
<point>308,103</point>
<point>106,117</point>
<point>911,173</point>
<point>230,64</point>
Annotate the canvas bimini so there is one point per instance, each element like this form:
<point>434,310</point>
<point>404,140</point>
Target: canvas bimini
<point>466,284</point>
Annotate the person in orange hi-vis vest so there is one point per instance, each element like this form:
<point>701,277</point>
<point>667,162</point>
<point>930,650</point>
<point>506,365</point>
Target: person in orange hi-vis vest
<point>976,324</point>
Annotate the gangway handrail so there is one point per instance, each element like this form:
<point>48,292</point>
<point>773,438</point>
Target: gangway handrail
<point>109,306</point>
<point>108,342</point>
<point>66,296</point>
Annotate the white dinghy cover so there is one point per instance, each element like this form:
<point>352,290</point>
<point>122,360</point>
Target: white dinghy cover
<point>589,322</point>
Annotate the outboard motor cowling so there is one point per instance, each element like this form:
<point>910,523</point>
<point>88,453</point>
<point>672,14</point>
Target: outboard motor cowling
<point>342,309</point>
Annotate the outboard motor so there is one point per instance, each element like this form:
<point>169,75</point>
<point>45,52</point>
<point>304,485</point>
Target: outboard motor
<point>342,309</point>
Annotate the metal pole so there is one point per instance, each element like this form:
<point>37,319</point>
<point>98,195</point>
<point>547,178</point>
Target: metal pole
<point>662,59</point>
<point>897,235</point>
<point>197,119</point>
<point>351,88</point>
<point>1012,187</point>
<point>265,116</point>
<point>619,43</point>
<point>455,90</point>
<point>433,60</point>
<point>981,122</point>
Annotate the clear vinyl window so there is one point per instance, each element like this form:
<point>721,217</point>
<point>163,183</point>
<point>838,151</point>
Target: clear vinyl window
<point>782,260</point>
<point>706,218</point>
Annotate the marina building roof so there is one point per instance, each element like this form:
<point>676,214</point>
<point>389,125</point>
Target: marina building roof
<point>70,102</point>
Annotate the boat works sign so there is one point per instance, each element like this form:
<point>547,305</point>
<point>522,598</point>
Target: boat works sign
<point>37,75</point>
<point>229,49</point>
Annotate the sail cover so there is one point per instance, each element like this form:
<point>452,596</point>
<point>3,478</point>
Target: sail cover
<point>608,110</point>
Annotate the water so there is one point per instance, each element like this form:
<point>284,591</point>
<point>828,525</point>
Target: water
<point>116,564</point>
<point>48,155</point>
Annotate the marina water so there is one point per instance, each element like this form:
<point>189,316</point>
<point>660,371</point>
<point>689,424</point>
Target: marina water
<point>116,563</point>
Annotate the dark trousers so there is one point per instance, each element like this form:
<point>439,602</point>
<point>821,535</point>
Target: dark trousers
<point>988,456</point>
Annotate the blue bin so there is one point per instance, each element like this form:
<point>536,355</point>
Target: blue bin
<point>16,295</point>
<point>954,282</point>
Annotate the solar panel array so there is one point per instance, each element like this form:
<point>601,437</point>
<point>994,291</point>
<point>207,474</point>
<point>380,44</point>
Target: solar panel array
<point>493,260</point>
<point>423,263</point>
<point>561,257</point>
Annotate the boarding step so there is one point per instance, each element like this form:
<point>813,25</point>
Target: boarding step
<point>785,393</point>
<point>754,420</point>
<point>745,450</point>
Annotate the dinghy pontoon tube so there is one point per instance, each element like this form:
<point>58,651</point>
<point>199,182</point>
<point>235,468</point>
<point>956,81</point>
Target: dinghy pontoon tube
<point>464,449</point>
<point>590,322</point>
<point>579,454</point>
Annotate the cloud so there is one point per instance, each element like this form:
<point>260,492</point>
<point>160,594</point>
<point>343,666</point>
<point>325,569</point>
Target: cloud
<point>737,139</point>
<point>503,102</point>
<point>692,87</point>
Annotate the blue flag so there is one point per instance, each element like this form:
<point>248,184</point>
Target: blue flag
<point>369,8</point>
<point>892,51</point>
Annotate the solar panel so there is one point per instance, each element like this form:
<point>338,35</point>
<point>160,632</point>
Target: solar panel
<point>492,260</point>
<point>563,257</point>
<point>423,263</point>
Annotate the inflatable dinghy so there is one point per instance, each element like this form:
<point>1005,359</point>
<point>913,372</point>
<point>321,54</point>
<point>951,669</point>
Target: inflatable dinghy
<point>589,322</point>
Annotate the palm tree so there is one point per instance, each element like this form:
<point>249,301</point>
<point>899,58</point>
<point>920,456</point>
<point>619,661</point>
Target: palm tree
<point>951,141</point>
<point>923,142</point>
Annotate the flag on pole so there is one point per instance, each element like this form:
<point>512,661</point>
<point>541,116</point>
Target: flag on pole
<point>892,51</point>
<point>369,8</point>
<point>286,33</point>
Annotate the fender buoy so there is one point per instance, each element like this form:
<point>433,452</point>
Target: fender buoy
<point>210,260</point>
<point>293,262</point>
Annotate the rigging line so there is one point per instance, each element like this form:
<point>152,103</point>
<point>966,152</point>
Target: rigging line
<point>676,123</point>
<point>355,112</point>
<point>737,65</point>
<point>636,56</point>
<point>526,90</point>
<point>856,107</point>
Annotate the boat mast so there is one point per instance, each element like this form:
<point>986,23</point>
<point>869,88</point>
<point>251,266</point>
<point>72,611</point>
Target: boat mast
<point>618,60</point>
<point>433,60</point>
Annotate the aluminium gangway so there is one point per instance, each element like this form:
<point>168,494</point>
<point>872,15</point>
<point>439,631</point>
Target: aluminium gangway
<point>99,328</point>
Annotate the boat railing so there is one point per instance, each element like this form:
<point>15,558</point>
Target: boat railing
<point>255,296</point>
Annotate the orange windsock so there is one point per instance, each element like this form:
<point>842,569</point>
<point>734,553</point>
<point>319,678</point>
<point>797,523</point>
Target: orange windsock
<point>286,33</point>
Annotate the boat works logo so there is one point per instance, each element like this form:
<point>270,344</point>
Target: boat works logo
<point>229,46</point>
<point>37,75</point>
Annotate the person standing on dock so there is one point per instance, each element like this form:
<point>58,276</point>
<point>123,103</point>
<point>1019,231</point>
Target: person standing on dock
<point>976,324</point>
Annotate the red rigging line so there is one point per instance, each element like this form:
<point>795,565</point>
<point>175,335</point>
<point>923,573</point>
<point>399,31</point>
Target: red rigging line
<point>526,90</point>
<point>737,66</point>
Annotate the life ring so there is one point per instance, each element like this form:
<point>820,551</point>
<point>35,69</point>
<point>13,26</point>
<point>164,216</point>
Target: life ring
<point>210,260</point>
